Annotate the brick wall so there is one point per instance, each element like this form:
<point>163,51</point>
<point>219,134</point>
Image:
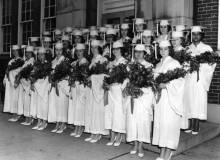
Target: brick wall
<point>206,14</point>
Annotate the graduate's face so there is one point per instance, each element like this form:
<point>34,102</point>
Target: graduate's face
<point>47,44</point>
<point>102,35</point>
<point>146,39</point>
<point>176,42</point>
<point>139,55</point>
<point>28,55</point>
<point>196,36</point>
<point>93,37</point>
<point>117,52</point>
<point>164,51</point>
<point>139,27</point>
<point>94,50</point>
<point>85,36</point>
<point>80,53</point>
<point>109,39</point>
<point>34,44</point>
<point>65,44</point>
<point>164,29</point>
<point>15,53</point>
<point>59,52</point>
<point>124,32</point>
<point>58,38</point>
<point>41,56</point>
<point>78,39</point>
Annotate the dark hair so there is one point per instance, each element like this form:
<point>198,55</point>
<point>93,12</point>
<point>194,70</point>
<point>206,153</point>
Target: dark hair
<point>171,51</point>
<point>100,50</point>
<point>122,50</point>
<point>114,37</point>
<point>169,28</point>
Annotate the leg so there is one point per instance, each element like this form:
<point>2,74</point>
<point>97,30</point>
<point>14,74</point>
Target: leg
<point>134,150</point>
<point>56,127</point>
<point>140,150</point>
<point>168,154</point>
<point>162,152</point>
<point>89,138</point>
<point>62,127</point>
<point>96,138</point>
<point>118,140</point>
<point>73,133</point>
<point>190,126</point>
<point>195,127</point>
<point>38,124</point>
<point>112,140</point>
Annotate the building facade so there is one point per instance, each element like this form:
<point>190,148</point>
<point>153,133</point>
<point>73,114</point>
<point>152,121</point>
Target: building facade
<point>20,19</point>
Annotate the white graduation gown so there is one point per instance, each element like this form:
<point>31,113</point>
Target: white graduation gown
<point>139,123</point>
<point>77,102</point>
<point>169,109</point>
<point>58,105</point>
<point>42,87</point>
<point>195,96</point>
<point>24,99</point>
<point>11,93</point>
<point>97,125</point>
<point>115,117</point>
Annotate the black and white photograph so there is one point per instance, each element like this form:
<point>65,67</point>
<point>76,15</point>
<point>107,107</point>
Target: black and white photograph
<point>110,80</point>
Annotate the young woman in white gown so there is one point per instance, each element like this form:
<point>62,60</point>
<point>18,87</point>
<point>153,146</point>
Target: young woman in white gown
<point>78,95</point>
<point>115,117</point>
<point>58,104</point>
<point>24,100</point>
<point>169,109</point>
<point>12,93</point>
<point>177,43</point>
<point>197,83</point>
<point>97,118</point>
<point>41,88</point>
<point>139,122</point>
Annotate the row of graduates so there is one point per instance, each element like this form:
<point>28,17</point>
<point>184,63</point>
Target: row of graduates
<point>127,33</point>
<point>55,97</point>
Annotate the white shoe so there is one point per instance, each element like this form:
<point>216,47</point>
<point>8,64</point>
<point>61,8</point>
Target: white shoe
<point>27,123</point>
<point>72,134</point>
<point>109,143</point>
<point>133,152</point>
<point>195,133</point>
<point>42,128</point>
<point>61,130</point>
<point>188,131</point>
<point>36,127</point>
<point>88,139</point>
<point>117,144</point>
<point>141,155</point>
<point>11,120</point>
<point>158,158</point>
<point>23,123</point>
<point>96,140</point>
<point>78,135</point>
<point>54,130</point>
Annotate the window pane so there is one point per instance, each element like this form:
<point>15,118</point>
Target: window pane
<point>47,3</point>
<point>52,11</point>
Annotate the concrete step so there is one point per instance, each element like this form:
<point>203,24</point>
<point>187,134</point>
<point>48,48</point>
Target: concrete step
<point>207,132</point>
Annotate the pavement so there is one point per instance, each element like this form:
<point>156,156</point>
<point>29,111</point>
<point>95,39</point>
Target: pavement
<point>18,142</point>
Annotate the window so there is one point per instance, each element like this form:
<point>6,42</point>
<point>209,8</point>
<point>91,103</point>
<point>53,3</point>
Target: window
<point>6,24</point>
<point>50,15</point>
<point>26,20</point>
